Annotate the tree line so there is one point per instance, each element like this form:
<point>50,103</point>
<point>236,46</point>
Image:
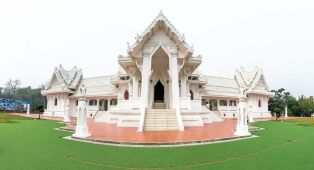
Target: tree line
<point>301,106</point>
<point>12,90</point>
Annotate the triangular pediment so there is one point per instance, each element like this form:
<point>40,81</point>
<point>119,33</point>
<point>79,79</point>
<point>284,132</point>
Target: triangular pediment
<point>261,85</point>
<point>163,28</point>
<point>251,80</point>
<point>63,79</point>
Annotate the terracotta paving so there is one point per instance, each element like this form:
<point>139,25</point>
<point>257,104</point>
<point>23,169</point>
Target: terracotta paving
<point>111,133</point>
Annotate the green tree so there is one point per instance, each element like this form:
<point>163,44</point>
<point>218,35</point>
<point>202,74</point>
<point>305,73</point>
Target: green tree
<point>306,105</point>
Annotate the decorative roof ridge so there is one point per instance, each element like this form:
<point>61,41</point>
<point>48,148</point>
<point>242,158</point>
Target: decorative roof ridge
<point>241,76</point>
<point>98,77</point>
<point>159,17</point>
<point>216,77</point>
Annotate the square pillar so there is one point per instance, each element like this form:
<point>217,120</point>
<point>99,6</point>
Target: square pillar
<point>146,72</point>
<point>183,86</point>
<point>135,86</point>
<point>173,63</point>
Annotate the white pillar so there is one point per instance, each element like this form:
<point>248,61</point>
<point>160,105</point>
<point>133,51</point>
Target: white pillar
<point>286,111</point>
<point>108,104</point>
<point>145,79</point>
<point>242,128</point>
<point>250,115</point>
<point>135,86</point>
<point>28,109</point>
<point>218,104</point>
<point>81,129</point>
<point>183,86</point>
<point>97,105</point>
<point>175,87</point>
<point>66,117</point>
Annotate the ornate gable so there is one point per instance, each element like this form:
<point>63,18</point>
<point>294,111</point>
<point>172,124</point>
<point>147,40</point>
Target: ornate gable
<point>159,23</point>
<point>66,80</point>
<point>251,80</point>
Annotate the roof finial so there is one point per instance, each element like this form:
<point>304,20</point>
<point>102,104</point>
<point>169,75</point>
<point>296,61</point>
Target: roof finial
<point>160,12</point>
<point>60,66</point>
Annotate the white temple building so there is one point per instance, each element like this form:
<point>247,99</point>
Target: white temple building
<point>158,87</point>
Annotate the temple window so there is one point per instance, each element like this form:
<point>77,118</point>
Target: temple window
<point>259,103</point>
<point>92,102</point>
<point>204,102</point>
<point>113,102</point>
<point>233,103</point>
<point>223,103</point>
<point>126,95</point>
<point>56,101</point>
<point>76,102</point>
<point>192,95</point>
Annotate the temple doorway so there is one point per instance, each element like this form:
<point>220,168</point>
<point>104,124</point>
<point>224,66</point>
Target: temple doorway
<point>159,92</point>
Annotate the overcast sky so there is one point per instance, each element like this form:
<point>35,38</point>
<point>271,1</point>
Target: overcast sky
<point>278,36</point>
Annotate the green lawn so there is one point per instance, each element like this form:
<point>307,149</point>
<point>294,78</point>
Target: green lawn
<point>34,144</point>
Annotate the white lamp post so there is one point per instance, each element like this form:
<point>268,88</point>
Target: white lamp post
<point>242,128</point>
<point>81,129</point>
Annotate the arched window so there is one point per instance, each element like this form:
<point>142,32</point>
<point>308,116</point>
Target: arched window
<point>56,101</point>
<point>259,103</point>
<point>126,95</point>
<point>192,95</point>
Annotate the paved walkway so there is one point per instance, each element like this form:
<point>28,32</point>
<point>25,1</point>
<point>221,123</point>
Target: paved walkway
<point>111,133</point>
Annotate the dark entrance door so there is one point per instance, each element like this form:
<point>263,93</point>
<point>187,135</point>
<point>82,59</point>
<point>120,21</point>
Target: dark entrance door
<point>159,92</point>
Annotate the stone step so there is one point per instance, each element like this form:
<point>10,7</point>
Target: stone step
<point>161,129</point>
<point>160,120</point>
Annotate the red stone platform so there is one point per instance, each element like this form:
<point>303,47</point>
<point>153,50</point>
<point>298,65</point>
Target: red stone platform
<point>110,133</point>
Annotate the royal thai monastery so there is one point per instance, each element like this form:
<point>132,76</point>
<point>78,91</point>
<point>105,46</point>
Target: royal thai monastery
<point>158,87</point>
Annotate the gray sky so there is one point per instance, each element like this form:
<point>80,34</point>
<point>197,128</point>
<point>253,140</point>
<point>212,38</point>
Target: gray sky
<point>37,35</point>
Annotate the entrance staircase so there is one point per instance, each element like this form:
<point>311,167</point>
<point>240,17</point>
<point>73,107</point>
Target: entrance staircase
<point>217,116</point>
<point>160,119</point>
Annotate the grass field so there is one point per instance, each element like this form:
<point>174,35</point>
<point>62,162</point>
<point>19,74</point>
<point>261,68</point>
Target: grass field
<point>34,144</point>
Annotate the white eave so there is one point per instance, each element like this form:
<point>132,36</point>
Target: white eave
<point>45,92</point>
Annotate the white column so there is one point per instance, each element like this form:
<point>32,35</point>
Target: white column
<point>66,117</point>
<point>28,108</point>
<point>218,104</point>
<point>242,128</point>
<point>146,72</point>
<point>175,87</point>
<point>97,105</point>
<point>183,86</point>
<point>286,111</point>
<point>81,129</point>
<point>108,104</point>
<point>250,115</point>
<point>145,79</point>
<point>228,103</point>
<point>135,86</point>
<point>130,90</point>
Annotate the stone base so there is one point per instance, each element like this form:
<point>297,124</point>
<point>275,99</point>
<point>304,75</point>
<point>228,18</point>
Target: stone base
<point>242,131</point>
<point>81,132</point>
<point>66,119</point>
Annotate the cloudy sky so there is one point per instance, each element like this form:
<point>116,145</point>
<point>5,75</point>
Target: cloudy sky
<point>278,36</point>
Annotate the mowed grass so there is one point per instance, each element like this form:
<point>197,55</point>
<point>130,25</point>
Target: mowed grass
<point>7,118</point>
<point>307,121</point>
<point>34,144</point>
